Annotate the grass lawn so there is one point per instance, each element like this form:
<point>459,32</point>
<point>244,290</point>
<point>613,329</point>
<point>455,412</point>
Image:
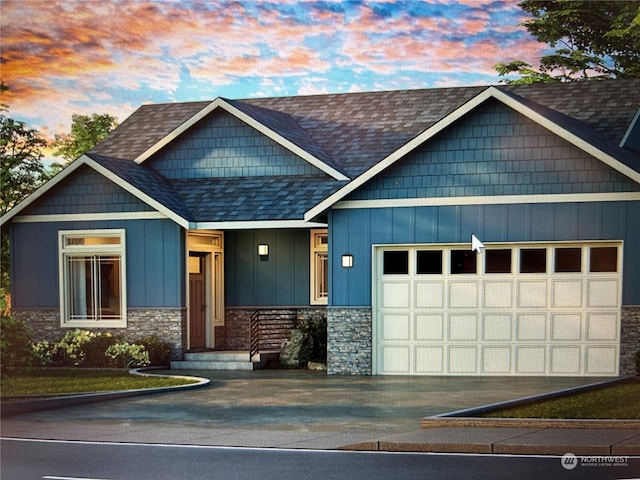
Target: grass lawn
<point>620,401</point>
<point>77,380</point>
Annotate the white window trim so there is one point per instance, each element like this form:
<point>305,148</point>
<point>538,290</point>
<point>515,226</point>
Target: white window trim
<point>316,249</point>
<point>115,249</point>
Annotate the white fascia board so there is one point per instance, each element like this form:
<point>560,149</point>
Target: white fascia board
<point>82,217</point>
<point>489,200</point>
<point>490,92</point>
<point>64,173</point>
<point>137,193</point>
<point>220,103</point>
<point>255,225</point>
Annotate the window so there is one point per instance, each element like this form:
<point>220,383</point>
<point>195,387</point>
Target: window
<point>429,262</point>
<point>533,260</point>
<point>603,259</point>
<point>395,262</point>
<point>319,267</point>
<point>92,278</point>
<point>497,261</point>
<point>463,261</point>
<point>568,260</point>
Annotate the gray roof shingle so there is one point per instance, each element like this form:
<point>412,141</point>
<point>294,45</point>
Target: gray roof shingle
<point>351,133</point>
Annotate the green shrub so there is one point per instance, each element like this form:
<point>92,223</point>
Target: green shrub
<point>128,354</point>
<point>159,350</point>
<point>95,352</point>
<point>68,351</point>
<point>316,326</point>
<point>16,347</point>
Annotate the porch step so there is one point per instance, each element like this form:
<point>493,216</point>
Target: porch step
<point>214,361</point>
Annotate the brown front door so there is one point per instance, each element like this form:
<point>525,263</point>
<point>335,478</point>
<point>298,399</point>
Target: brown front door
<point>197,302</point>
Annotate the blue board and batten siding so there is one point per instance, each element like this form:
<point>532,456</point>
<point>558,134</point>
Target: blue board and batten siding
<point>281,279</point>
<point>223,146</point>
<point>490,152</point>
<point>154,247</point>
<point>355,231</point>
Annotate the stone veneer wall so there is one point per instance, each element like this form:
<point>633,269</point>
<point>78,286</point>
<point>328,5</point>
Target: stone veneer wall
<point>349,341</point>
<point>629,338</point>
<point>237,324</point>
<point>168,324</point>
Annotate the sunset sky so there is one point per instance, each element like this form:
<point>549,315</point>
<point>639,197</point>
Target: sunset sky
<point>61,57</point>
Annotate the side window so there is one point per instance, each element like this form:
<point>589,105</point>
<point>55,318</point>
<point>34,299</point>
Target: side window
<point>92,278</point>
<point>319,267</point>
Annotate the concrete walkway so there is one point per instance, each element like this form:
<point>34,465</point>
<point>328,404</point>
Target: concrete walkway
<point>301,409</point>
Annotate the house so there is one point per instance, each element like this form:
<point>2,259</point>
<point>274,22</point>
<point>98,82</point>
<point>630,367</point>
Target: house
<point>199,222</point>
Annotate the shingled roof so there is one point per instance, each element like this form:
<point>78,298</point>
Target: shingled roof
<point>355,135</point>
<point>353,131</point>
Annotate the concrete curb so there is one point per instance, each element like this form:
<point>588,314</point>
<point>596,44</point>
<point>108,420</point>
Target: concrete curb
<point>25,405</point>
<point>433,422</point>
<point>470,417</point>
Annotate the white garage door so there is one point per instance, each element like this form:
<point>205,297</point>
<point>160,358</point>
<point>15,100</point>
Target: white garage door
<point>517,309</point>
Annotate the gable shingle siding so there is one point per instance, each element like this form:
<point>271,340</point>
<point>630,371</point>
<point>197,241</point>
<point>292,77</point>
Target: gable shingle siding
<point>495,151</point>
<point>222,146</point>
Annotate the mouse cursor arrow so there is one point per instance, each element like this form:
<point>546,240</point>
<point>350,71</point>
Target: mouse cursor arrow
<point>476,245</point>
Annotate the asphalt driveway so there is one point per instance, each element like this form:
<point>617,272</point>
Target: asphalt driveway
<point>279,408</point>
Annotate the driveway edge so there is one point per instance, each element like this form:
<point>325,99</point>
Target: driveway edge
<point>24,406</point>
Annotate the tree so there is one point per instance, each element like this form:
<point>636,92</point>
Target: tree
<point>21,167</point>
<point>86,131</point>
<point>592,40</point>
<point>21,172</point>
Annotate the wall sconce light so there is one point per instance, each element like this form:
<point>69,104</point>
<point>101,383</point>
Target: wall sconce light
<point>347,261</point>
<point>263,250</point>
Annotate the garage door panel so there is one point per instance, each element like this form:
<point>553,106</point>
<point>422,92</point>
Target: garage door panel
<point>531,360</point>
<point>462,359</point>
<point>463,295</point>
<point>395,327</point>
<point>463,327</point>
<point>529,309</point>
<point>565,360</point>
<point>396,359</point>
<point>602,360</point>
<point>567,293</point>
<point>429,327</point>
<point>532,326</point>
<point>566,327</point>
<point>429,294</point>
<point>602,326</point>
<point>603,293</point>
<point>496,360</point>
<point>498,294</point>
<point>395,295</point>
<point>532,294</point>
<point>429,360</point>
<point>497,327</point>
